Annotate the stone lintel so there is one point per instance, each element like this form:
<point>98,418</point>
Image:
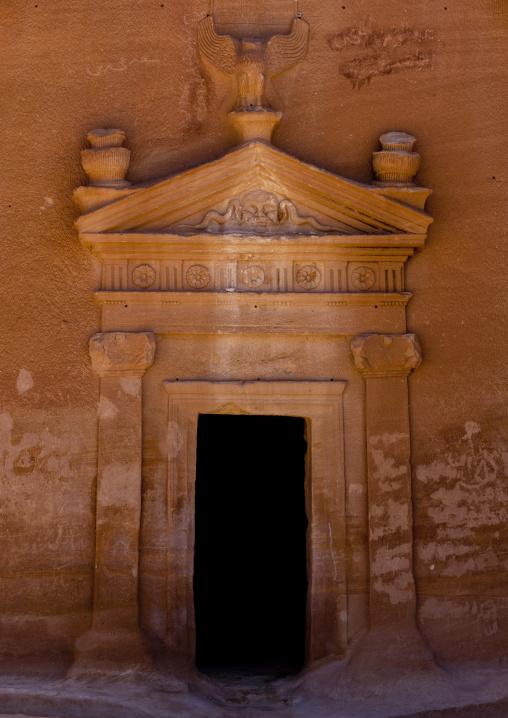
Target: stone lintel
<point>384,355</point>
<point>122,353</point>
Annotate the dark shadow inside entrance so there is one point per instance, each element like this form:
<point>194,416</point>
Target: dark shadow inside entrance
<point>250,578</point>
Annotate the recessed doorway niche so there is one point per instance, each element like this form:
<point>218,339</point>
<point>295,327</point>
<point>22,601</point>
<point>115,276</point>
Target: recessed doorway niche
<point>250,575</point>
<point>320,403</point>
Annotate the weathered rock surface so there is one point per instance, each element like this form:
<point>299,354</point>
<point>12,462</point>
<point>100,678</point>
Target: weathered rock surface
<point>436,70</point>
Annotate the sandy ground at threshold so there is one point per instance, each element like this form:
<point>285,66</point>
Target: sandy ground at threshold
<point>326,691</point>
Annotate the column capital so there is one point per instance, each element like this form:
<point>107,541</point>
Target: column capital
<point>122,353</point>
<point>378,355</point>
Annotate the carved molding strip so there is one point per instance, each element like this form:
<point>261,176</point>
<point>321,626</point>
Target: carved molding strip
<point>374,299</point>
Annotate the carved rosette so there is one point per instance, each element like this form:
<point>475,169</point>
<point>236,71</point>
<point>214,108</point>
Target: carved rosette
<point>253,277</point>
<point>122,353</point>
<point>197,276</point>
<point>144,276</point>
<point>363,278</point>
<point>308,277</point>
<point>383,355</point>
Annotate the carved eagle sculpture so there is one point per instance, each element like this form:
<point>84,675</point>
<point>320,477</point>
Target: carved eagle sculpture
<point>252,62</point>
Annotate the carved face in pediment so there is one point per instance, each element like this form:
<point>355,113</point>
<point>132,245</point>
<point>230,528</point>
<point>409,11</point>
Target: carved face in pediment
<point>259,211</point>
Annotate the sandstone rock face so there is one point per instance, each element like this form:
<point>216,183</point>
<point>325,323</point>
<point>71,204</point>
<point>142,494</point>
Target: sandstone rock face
<point>417,533</point>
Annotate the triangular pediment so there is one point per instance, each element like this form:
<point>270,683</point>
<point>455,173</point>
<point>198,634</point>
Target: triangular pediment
<point>228,194</point>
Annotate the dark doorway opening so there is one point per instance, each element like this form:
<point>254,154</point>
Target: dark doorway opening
<point>250,576</point>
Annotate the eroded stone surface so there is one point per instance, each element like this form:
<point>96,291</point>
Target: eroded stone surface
<point>123,354</point>
<point>368,70</point>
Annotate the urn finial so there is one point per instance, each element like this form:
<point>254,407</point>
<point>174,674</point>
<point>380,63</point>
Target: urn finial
<point>107,162</point>
<point>396,164</point>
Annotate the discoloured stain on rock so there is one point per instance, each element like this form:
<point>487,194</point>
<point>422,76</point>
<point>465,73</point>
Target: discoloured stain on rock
<point>40,506</point>
<point>174,440</point>
<point>36,452</point>
<point>130,385</point>
<point>24,382</point>
<point>391,571</point>
<point>389,474</point>
<point>116,484</point>
<point>106,409</point>
<point>392,517</point>
<point>192,105</point>
<point>463,505</point>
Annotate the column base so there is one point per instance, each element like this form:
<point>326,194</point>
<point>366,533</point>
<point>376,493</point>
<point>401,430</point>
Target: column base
<point>111,653</point>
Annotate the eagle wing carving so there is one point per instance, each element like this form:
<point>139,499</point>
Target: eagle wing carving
<point>284,51</point>
<point>220,50</point>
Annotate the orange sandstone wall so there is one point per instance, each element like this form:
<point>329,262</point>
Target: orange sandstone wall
<point>437,70</point>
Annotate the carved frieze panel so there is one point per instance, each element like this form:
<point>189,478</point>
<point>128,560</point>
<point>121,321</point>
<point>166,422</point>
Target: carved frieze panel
<point>257,274</point>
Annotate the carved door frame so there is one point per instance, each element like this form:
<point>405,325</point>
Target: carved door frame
<point>320,404</point>
<point>336,271</point>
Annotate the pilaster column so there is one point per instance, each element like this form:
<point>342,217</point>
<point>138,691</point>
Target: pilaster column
<point>386,360</point>
<point>115,641</point>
